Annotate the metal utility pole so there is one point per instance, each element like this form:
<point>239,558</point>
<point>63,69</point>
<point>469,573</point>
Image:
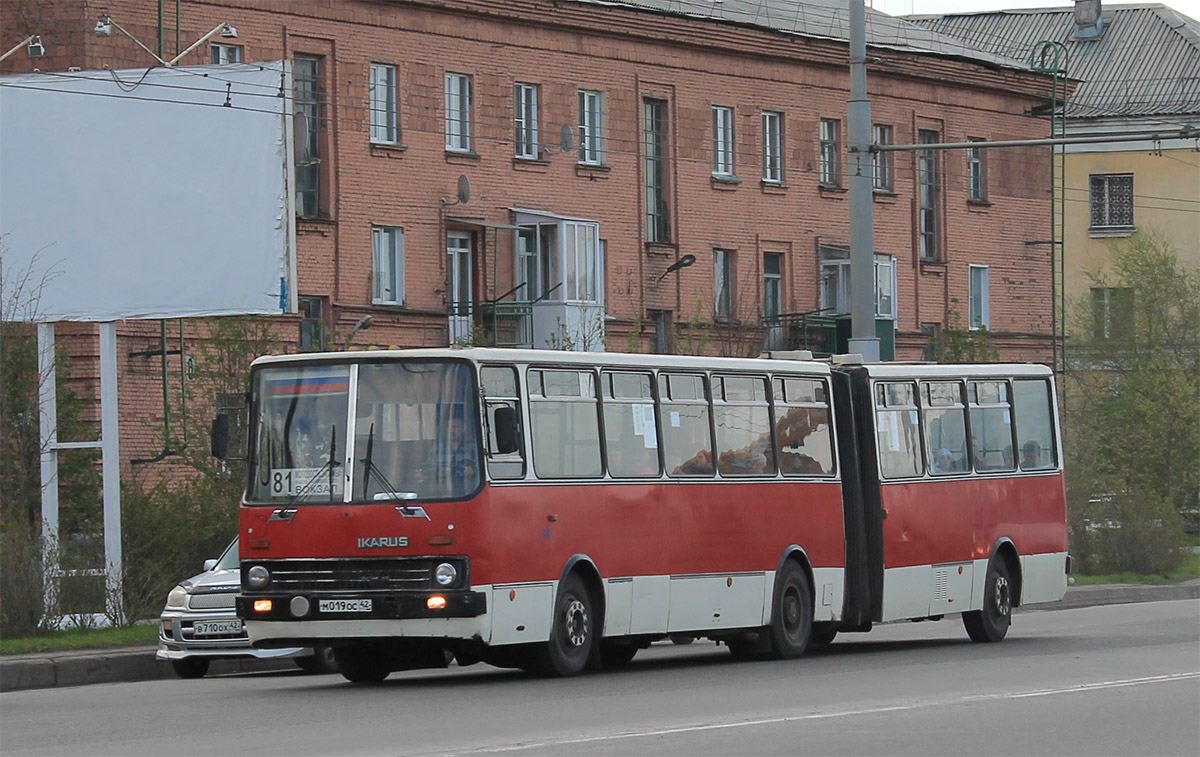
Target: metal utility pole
<point>862,222</point>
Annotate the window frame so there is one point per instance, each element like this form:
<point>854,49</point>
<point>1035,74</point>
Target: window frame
<point>1101,201</point>
<point>310,178</point>
<point>723,284</point>
<point>772,281</point>
<point>656,127</point>
<point>882,163</point>
<point>384,111</point>
<point>218,53</point>
<point>591,127</point>
<point>977,189</point>
<point>979,297</point>
<point>723,141</point>
<point>830,154</point>
<point>457,109</point>
<point>380,233</point>
<point>928,192</point>
<point>772,146</point>
<point>525,121</point>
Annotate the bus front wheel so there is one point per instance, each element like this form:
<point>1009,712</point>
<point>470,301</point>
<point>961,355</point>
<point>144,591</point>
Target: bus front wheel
<point>572,633</point>
<point>991,623</point>
<point>792,616</point>
<point>361,663</point>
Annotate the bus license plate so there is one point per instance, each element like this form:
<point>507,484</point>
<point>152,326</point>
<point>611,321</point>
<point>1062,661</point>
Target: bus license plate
<point>216,627</point>
<point>344,605</point>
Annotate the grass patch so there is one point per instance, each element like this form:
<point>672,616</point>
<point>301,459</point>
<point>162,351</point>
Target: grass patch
<point>1189,568</point>
<point>82,638</point>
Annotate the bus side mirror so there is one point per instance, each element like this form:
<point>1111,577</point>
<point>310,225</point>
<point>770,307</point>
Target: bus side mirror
<point>220,435</point>
<point>506,428</point>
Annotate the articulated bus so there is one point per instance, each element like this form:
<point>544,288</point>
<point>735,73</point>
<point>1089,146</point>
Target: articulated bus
<point>560,511</point>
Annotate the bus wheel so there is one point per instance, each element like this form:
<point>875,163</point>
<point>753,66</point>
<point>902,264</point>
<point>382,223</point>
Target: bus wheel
<point>791,619</point>
<point>361,663</point>
<point>991,623</point>
<point>571,633</point>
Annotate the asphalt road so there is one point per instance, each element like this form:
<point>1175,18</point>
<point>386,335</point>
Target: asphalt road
<point>1118,679</point>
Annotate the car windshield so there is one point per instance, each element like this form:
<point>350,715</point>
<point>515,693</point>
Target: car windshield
<point>415,433</point>
<point>229,558</point>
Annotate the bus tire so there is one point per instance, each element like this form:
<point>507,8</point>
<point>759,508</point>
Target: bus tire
<point>991,623</point>
<point>823,635</point>
<point>792,615</point>
<point>572,632</point>
<point>319,663</point>
<point>361,663</point>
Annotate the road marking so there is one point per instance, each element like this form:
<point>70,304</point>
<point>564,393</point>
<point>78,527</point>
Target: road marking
<point>700,727</point>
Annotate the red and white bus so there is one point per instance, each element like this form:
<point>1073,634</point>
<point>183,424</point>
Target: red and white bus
<point>555,510</point>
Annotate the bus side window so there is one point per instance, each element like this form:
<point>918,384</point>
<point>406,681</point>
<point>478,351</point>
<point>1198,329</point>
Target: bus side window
<point>502,412</point>
<point>630,431</point>
<point>683,418</point>
<point>564,423</point>
<point>944,421</point>
<point>803,433</point>
<point>742,417</point>
<point>897,432</point>
<point>1035,424</point>
<point>991,426</point>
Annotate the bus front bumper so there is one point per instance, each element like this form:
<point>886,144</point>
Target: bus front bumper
<point>374,606</point>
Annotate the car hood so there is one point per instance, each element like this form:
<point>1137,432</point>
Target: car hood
<point>214,582</point>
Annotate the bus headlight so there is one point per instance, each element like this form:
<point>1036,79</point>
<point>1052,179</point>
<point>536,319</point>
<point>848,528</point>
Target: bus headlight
<point>445,574</point>
<point>258,577</point>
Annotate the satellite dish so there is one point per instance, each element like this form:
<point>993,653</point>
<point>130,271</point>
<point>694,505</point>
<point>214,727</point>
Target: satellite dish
<point>464,190</point>
<point>300,138</point>
<point>566,138</point>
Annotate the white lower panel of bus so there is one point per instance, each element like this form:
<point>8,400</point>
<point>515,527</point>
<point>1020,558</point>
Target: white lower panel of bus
<point>448,628</point>
<point>920,591</point>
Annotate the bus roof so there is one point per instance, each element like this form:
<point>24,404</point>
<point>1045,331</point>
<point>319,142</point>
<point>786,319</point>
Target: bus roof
<point>544,357</point>
<point>971,370</point>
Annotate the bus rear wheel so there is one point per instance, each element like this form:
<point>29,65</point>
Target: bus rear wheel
<point>361,663</point>
<point>792,616</point>
<point>991,623</point>
<point>572,632</point>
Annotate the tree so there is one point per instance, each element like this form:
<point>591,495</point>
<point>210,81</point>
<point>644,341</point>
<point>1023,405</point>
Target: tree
<point>1132,416</point>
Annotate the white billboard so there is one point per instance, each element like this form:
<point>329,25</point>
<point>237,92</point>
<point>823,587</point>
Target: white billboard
<point>148,193</point>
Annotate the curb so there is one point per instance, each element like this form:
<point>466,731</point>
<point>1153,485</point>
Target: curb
<point>43,671</point>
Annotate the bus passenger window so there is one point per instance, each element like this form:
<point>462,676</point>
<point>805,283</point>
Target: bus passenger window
<point>743,421</point>
<point>945,426</point>
<point>565,431</point>
<point>991,426</point>
<point>802,429</point>
<point>499,384</point>
<point>630,432</point>
<point>1035,424</point>
<point>897,433</point>
<point>683,418</point>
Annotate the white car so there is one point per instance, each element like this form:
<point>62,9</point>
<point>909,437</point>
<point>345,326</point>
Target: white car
<point>199,624</point>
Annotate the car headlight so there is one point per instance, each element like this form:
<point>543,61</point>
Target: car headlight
<point>177,597</point>
<point>445,574</point>
<point>258,577</point>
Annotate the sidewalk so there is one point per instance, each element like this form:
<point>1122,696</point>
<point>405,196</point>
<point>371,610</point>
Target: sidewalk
<point>40,671</point>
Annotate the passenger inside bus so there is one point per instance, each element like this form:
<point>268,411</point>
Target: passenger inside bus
<point>699,465</point>
<point>1030,455</point>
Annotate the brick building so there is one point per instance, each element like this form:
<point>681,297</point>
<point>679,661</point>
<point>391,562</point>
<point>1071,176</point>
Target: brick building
<point>603,142</point>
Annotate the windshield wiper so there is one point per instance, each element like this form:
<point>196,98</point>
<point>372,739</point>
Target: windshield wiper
<point>369,469</point>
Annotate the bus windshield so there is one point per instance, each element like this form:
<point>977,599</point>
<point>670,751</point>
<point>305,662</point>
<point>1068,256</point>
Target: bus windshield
<point>415,433</point>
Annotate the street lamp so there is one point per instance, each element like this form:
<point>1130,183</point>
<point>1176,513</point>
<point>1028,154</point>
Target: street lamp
<point>363,324</point>
<point>105,25</point>
<point>34,46</point>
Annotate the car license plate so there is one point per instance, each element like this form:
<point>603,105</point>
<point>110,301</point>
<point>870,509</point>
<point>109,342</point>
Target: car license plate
<point>216,627</point>
<point>344,605</point>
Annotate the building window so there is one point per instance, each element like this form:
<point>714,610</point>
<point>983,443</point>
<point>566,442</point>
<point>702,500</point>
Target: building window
<point>525,102</point>
<point>1112,313</point>
<point>976,173</point>
<point>658,227</point>
<point>723,283</point>
<point>384,109</point>
<point>591,127</point>
<point>458,112</point>
<point>831,170</point>
<point>559,259</point>
<point>226,53</point>
<point>927,196</point>
<point>388,248</point>
<point>772,146</point>
<point>835,282</point>
<point>933,340</point>
<point>881,162</point>
<point>312,324</point>
<point>308,96</point>
<point>980,317</point>
<point>722,136</point>
<point>772,285</point>
<point>1112,201</point>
